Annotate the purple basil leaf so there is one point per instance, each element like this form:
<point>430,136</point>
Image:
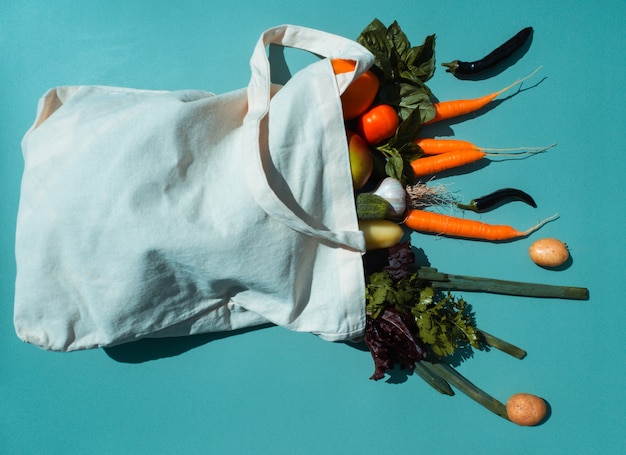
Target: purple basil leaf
<point>400,258</point>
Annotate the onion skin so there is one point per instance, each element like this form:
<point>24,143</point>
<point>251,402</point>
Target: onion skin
<point>548,252</point>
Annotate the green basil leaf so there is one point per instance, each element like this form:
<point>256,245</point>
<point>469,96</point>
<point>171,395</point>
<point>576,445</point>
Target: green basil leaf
<point>420,60</point>
<point>398,40</point>
<point>408,129</point>
<point>410,151</point>
<point>427,112</point>
<point>374,39</point>
<point>395,167</point>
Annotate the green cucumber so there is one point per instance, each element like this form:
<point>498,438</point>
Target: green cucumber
<point>370,206</point>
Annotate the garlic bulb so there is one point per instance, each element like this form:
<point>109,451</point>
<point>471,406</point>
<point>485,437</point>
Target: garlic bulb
<point>393,192</point>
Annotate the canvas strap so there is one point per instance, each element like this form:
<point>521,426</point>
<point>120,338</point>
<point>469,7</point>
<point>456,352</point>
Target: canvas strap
<point>325,45</point>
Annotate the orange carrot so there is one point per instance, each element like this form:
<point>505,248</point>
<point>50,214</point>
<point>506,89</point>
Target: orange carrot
<point>432,146</point>
<point>432,164</point>
<point>449,109</point>
<point>437,163</point>
<point>451,226</point>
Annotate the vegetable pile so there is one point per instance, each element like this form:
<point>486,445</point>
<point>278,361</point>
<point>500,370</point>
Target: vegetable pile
<point>412,318</point>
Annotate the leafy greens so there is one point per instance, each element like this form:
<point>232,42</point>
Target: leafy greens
<point>407,320</point>
<point>403,71</point>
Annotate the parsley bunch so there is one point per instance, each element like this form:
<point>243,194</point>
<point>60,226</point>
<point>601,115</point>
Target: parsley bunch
<point>443,324</point>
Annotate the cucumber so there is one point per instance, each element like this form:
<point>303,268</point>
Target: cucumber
<point>370,206</point>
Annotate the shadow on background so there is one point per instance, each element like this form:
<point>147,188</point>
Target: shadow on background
<point>148,349</point>
<point>566,265</point>
<point>279,70</point>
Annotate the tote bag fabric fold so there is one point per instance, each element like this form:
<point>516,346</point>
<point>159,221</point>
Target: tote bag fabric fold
<point>170,213</point>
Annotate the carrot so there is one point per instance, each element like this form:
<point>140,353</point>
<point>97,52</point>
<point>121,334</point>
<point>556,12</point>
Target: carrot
<point>432,146</point>
<point>437,163</point>
<point>433,164</point>
<point>449,109</point>
<point>451,226</point>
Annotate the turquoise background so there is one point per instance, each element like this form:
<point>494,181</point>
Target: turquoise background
<point>274,391</point>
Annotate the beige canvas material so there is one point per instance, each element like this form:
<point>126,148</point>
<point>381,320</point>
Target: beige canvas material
<point>156,213</point>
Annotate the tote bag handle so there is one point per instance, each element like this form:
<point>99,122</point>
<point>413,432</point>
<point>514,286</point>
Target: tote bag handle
<point>317,42</point>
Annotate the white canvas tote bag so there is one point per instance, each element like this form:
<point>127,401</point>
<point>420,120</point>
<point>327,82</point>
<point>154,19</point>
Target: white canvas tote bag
<point>157,213</point>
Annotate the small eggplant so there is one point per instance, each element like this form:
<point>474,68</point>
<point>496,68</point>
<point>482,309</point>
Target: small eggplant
<point>497,198</point>
<point>460,68</point>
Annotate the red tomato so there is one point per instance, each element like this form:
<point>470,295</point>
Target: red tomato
<point>378,124</point>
